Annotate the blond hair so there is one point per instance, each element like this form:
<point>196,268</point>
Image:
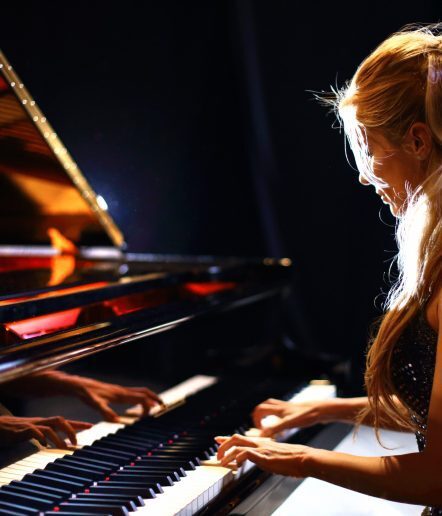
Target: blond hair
<point>398,84</point>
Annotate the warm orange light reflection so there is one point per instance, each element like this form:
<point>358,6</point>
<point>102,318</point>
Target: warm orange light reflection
<point>44,324</point>
<point>205,289</point>
<point>60,242</point>
<point>108,309</point>
<point>134,302</point>
<point>59,292</point>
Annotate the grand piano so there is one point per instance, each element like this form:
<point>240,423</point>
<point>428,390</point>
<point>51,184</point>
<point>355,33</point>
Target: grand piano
<point>207,330</point>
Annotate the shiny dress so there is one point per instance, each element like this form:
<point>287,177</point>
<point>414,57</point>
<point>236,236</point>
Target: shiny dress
<point>414,359</point>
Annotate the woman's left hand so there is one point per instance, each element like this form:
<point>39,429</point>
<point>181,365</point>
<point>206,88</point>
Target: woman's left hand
<point>279,458</point>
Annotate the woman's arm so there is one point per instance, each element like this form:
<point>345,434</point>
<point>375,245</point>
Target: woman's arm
<point>409,478</point>
<point>309,413</point>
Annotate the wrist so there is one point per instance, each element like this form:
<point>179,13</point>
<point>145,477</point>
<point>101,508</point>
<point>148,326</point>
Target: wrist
<point>311,462</point>
<point>341,409</point>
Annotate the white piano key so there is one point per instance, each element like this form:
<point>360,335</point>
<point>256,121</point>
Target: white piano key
<point>178,393</point>
<point>87,437</point>
<point>188,495</point>
<point>192,492</point>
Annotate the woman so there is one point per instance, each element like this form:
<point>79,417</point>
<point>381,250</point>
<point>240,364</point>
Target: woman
<point>391,112</point>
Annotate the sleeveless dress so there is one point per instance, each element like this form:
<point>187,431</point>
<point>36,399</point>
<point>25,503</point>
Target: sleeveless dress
<point>413,362</point>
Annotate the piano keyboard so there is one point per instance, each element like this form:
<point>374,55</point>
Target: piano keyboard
<point>156,466</point>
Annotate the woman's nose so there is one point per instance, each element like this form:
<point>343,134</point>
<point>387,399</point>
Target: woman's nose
<point>363,180</point>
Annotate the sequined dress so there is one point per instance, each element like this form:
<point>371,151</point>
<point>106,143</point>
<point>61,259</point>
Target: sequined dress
<point>414,358</point>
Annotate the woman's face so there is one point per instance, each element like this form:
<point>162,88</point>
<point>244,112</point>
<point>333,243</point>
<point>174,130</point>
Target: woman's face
<point>397,170</point>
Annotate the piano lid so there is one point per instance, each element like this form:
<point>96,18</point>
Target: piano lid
<point>58,305</point>
<point>41,187</point>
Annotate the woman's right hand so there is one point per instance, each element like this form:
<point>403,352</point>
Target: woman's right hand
<point>295,415</point>
<point>46,430</point>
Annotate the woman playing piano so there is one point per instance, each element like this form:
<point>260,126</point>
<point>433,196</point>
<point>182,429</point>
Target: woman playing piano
<point>391,112</point>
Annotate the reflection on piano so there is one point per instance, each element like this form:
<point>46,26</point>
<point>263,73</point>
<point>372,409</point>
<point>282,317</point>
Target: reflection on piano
<point>60,305</point>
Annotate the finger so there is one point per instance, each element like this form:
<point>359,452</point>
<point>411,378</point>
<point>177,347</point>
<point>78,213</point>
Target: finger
<point>149,394</point>
<point>282,425</point>
<point>232,454</point>
<point>139,399</point>
<point>33,433</point>
<point>60,424</point>
<point>235,440</point>
<point>119,394</point>
<point>251,455</point>
<point>263,411</point>
<point>79,425</point>
<point>52,436</point>
<point>101,405</point>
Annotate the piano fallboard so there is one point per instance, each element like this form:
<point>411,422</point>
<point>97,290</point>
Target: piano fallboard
<point>103,304</point>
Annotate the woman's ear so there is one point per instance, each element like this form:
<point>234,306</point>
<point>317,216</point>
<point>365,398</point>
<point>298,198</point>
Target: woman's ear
<point>418,141</point>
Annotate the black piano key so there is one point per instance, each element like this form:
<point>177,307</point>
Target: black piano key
<point>142,487</point>
<point>115,455</point>
<point>87,460</point>
<point>192,453</point>
<point>155,468</point>
<point>84,465</point>
<point>110,489</point>
<point>21,509</point>
<point>209,446</point>
<point>130,505</point>
<point>26,499</point>
<point>32,492</point>
<point>178,456</point>
<point>122,446</point>
<point>135,439</point>
<point>135,499</point>
<point>168,478</point>
<point>116,502</point>
<point>83,480</point>
<point>64,493</point>
<point>164,480</point>
<point>45,480</point>
<point>72,470</point>
<point>70,513</point>
<point>90,508</point>
<point>147,432</point>
<point>100,454</point>
<point>167,461</point>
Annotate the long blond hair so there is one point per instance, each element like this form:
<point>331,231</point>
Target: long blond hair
<point>398,84</point>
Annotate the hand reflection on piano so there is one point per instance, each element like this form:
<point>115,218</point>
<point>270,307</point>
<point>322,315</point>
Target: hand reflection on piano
<point>47,431</point>
<point>94,393</point>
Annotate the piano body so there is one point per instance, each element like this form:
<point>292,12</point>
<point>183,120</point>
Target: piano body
<point>70,291</point>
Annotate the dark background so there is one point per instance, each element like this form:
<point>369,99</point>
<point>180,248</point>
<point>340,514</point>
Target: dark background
<point>196,122</point>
